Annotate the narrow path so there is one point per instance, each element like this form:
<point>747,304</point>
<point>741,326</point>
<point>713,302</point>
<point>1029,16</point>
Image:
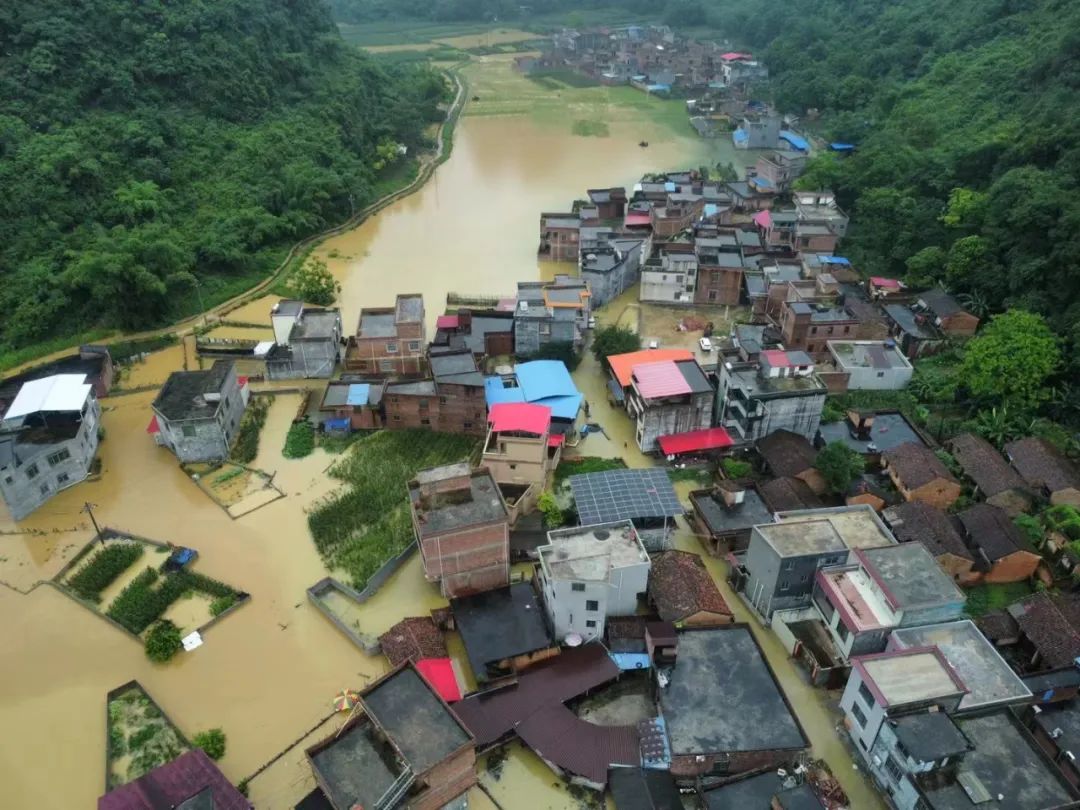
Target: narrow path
<point>428,164</point>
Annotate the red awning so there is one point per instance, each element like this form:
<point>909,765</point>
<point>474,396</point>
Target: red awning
<point>637,220</point>
<point>439,672</point>
<point>522,417</point>
<point>241,381</point>
<point>695,440</point>
<point>555,439</point>
<point>153,427</point>
<point>447,322</point>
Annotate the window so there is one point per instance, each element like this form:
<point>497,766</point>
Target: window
<point>847,330</point>
<point>893,769</point>
<point>857,713</point>
<point>513,466</point>
<point>188,431</point>
<point>391,348</point>
<point>58,456</point>
<point>784,587</point>
<point>426,422</point>
<point>843,632</point>
<point>881,374</point>
<point>545,329</point>
<point>713,295</point>
<point>397,417</point>
<point>577,586</point>
<point>414,345</point>
<point>62,479</point>
<point>468,426</point>
<point>45,488</point>
<point>386,365</point>
<point>9,480</point>
<point>32,471</point>
<point>590,623</point>
<point>592,604</point>
<point>813,330</point>
<point>864,693</point>
<point>423,404</point>
<point>442,400</point>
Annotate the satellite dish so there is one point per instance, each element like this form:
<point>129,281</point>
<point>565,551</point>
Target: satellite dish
<point>573,640</point>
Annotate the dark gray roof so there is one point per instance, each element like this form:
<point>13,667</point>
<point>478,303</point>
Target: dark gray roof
<point>412,715</point>
<point>416,388</point>
<point>786,494</point>
<point>940,302</point>
<point>920,522</point>
<point>643,789</point>
<point>787,453</point>
<point>336,395</point>
<point>449,510</point>
<point>723,519</point>
<point>930,736</point>
<point>604,497</point>
<point>446,364</point>
<point>1004,762</point>
<point>316,324</point>
<point>288,307</point>
<point>801,797</point>
<point>183,395</point>
<point>912,576</point>
<point>500,624</point>
<point>890,429</point>
<point>694,376</point>
<point>409,308</point>
<point>90,360</point>
<point>903,317</point>
<point>753,793</point>
<point>984,465</point>
<point>1066,717</point>
<point>991,530</point>
<point>357,767</point>
<point>722,697</point>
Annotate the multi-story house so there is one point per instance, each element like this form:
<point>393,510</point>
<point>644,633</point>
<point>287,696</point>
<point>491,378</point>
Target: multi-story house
<point>559,237</point>
<point>450,401</point>
<point>679,211</point>
<point>670,279</point>
<point>519,448</point>
<point>777,391</point>
<point>611,268</point>
<point>610,202</point>
<point>808,327</point>
<point>668,397</point>
<point>588,573</point>
<point>758,132</point>
<point>389,340</point>
<point>720,269</point>
<point>48,439</point>
<point>462,529</point>
<point>307,342</point>
<point>776,171</point>
<point>555,311</point>
<point>92,361</point>
<point>197,413</point>
<point>821,207</point>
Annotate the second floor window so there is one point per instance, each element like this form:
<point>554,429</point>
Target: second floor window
<point>32,471</point>
<point>577,586</point>
<point>58,456</point>
<point>592,604</point>
<point>414,345</point>
<point>391,348</point>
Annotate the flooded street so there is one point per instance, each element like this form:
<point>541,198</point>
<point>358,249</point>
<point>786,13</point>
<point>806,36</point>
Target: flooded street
<point>267,674</point>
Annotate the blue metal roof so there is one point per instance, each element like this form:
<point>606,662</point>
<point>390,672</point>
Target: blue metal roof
<point>544,378</point>
<point>711,209</point>
<point>566,407</point>
<point>842,147</point>
<point>669,186</point>
<point>740,135</point>
<point>834,260</point>
<point>358,394</point>
<point>762,182</point>
<point>494,392</point>
<point>796,141</point>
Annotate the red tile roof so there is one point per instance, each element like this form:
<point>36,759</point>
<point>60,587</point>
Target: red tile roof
<point>635,220</point>
<point>153,427</point>
<point>694,441</point>
<point>575,745</point>
<point>661,379</point>
<point>522,417</point>
<point>885,283</point>
<point>175,782</point>
<point>622,365</point>
<point>680,586</point>
<point>555,439</point>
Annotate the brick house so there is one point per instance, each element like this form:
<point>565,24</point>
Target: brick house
<point>559,237</point>
<point>720,269</point>
<point>389,340</point>
<point>197,413</point>
<point>992,476</point>
<point>462,529</point>
<point>1003,553</point>
<point>947,315</point>
<point>451,401</point>
<point>809,327</point>
<point>919,475</point>
<point>360,403</point>
<point>1045,470</point>
<point>610,202</point>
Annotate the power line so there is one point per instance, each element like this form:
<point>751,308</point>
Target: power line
<point>89,509</point>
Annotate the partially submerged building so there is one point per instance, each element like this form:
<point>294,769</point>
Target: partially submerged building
<point>645,497</point>
<point>668,397</point>
<point>462,529</point>
<point>389,341</point>
<point>307,342</point>
<point>588,573</point>
<point>94,362</point>
<point>520,450</point>
<point>504,630</point>
<point>548,312</point>
<point>682,591</point>
<point>725,515</point>
<point>190,782</point>
<point>724,709</point>
<point>48,440</point>
<point>407,749</point>
<point>197,413</point>
<point>357,402</point>
<point>779,391</point>
<point>450,401</point>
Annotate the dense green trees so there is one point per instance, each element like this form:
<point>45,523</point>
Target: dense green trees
<point>147,147</point>
<point>839,465</point>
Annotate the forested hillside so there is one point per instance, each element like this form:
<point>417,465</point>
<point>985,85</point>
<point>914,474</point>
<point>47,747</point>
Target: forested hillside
<point>147,145</point>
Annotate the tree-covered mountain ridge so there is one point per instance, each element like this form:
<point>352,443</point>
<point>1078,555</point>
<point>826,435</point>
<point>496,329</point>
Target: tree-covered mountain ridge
<point>149,147</point>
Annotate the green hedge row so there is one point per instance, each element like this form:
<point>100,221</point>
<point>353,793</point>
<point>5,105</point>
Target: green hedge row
<point>103,569</point>
<point>146,599</point>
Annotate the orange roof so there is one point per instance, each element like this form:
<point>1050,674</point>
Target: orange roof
<point>622,365</point>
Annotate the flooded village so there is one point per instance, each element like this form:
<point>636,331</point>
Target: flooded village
<point>430,544</point>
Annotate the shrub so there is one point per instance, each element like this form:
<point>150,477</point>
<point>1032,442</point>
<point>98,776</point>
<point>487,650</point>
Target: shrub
<point>614,339</point>
<point>212,742</point>
<point>313,283</point>
<point>133,607</point>
<point>163,641</point>
<point>733,468</point>
<point>1031,529</point>
<point>839,465</point>
<point>221,604</point>
<point>103,569</point>
<point>553,516</point>
<point>832,412</point>
<point>300,440</point>
<point>247,441</point>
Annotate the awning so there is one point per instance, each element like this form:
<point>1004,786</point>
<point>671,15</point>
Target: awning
<point>56,394</point>
<point>556,439</point>
<point>153,427</point>
<point>520,417</point>
<point>694,441</point>
<point>439,672</point>
<point>447,322</point>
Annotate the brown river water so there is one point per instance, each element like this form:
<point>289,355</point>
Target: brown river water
<point>267,673</point>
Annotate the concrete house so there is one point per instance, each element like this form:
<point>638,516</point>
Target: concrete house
<point>307,342</point>
<point>519,447</point>
<point>780,391</point>
<point>1045,470</point>
<point>462,529</point>
<point>390,340</point>
<point>48,439</point>
<point>671,279</point>
<point>198,412</point>
<point>92,361</point>
<point>777,571</point>
<point>724,516</point>
<point>559,237</point>
<point>550,312</point>
<point>1002,552</point>
<point>947,315</point>
<point>821,206</point>
<point>406,748</point>
<point>791,455</point>
<point>668,397</point>
<point>683,592</point>
<point>612,268</point>
<point>758,132</point>
<point>919,475</point>
<point>484,332</point>
<point>917,522</point>
<point>776,171</point>
<point>992,476</point>
<point>871,365</point>
<point>588,573</point>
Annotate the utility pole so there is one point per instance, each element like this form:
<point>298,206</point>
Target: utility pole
<point>89,509</point>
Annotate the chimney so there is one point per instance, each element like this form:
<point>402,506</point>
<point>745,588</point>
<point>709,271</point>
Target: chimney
<point>733,493</point>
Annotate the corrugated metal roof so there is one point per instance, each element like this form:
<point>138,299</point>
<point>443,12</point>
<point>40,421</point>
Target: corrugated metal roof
<point>622,365</point>
<point>661,379</point>
<point>60,392</point>
<point>520,416</point>
<point>582,748</point>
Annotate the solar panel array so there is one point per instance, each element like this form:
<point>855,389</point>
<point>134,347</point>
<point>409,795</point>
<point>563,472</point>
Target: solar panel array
<point>602,497</point>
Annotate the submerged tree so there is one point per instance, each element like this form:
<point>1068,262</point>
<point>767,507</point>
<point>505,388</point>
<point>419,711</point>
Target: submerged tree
<point>313,283</point>
<point>839,465</point>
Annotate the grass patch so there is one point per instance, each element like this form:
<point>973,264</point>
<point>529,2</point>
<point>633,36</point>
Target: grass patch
<point>590,129</point>
<point>554,79</point>
<point>138,729</point>
<point>987,597</point>
<point>247,441</point>
<point>149,595</point>
<point>300,441</point>
<point>103,570</point>
<point>367,523</point>
<point>586,464</point>
<point>695,475</point>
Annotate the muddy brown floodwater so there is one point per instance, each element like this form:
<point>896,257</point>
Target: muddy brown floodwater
<point>267,674</point>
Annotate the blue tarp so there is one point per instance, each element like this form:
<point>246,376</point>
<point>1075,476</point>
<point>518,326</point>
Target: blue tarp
<point>544,378</point>
<point>494,392</point>
<point>711,209</point>
<point>658,88</point>
<point>337,425</point>
<point>626,661</point>
<point>669,186</point>
<point>842,147</point>
<point>797,141</point>
<point>358,394</point>
<point>762,182</point>
<point>834,260</point>
<point>740,136</point>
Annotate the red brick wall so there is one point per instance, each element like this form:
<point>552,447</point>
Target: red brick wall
<point>499,343</point>
<point>725,282</point>
<point>960,324</point>
<point>446,781</point>
<point>687,766</point>
<point>470,560</point>
<point>464,411</point>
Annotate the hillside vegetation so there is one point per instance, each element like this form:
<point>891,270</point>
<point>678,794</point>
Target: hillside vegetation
<point>148,146</point>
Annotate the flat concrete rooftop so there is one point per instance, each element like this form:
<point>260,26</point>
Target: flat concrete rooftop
<point>357,767</point>
<point>857,526</point>
<point>591,552</point>
<point>902,678</point>
<point>798,538</point>
<point>912,576</point>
